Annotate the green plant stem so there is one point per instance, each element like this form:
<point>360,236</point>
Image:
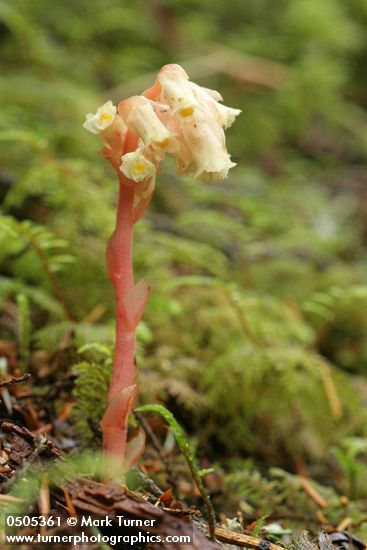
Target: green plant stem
<point>188,453</point>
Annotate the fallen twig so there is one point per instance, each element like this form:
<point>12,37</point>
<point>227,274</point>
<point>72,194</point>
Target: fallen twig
<point>311,491</point>
<point>331,392</point>
<point>6,499</point>
<point>240,539</point>
<point>44,500</point>
<point>148,483</point>
<point>15,380</point>
<point>69,504</point>
<point>344,524</point>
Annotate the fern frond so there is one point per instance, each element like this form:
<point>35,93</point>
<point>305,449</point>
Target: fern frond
<point>50,336</point>
<point>46,247</point>
<point>10,287</point>
<point>21,136</point>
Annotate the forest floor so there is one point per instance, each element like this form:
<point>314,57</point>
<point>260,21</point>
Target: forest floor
<point>40,475</point>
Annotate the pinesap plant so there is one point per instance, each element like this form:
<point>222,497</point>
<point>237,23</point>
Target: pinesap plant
<point>174,117</point>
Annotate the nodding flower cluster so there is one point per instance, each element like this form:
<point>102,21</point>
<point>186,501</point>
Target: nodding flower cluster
<point>175,117</point>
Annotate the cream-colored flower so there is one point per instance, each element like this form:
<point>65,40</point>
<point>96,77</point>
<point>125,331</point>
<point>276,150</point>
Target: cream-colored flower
<point>185,162</point>
<point>212,161</point>
<point>213,94</point>
<point>140,117</point>
<point>176,91</point>
<point>101,120</point>
<point>136,166</point>
<point>227,115</point>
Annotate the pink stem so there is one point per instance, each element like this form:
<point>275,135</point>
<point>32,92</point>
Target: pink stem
<point>123,366</point>
<point>120,269</point>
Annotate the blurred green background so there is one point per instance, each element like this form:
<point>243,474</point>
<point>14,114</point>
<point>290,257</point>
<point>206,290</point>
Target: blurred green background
<point>255,332</point>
